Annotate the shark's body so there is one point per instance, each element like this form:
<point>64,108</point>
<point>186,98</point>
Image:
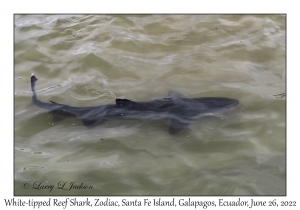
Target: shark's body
<point>176,107</point>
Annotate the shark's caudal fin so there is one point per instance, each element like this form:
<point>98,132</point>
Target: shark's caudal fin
<point>35,100</point>
<point>33,80</point>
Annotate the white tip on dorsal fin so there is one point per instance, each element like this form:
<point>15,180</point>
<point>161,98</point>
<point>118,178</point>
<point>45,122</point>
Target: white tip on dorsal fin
<point>32,74</point>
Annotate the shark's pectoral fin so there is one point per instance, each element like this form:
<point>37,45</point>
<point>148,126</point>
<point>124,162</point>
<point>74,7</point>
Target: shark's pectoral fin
<point>92,122</point>
<point>174,94</point>
<point>55,117</point>
<point>177,125</point>
<point>88,122</point>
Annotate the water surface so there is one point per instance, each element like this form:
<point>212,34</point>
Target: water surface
<point>89,60</point>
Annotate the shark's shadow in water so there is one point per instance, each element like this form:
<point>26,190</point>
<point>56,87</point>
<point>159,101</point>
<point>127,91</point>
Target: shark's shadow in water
<point>180,110</point>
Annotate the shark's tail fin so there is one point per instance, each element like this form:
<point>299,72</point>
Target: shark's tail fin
<point>34,98</point>
<point>33,80</point>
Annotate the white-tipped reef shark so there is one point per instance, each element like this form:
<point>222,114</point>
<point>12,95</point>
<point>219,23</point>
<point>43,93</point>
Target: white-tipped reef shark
<point>180,110</point>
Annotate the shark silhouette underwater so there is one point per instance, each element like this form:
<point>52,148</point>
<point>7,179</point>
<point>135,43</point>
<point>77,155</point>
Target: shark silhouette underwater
<point>180,110</point>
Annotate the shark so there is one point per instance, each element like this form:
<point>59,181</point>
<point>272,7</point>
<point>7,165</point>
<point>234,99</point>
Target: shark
<point>180,110</point>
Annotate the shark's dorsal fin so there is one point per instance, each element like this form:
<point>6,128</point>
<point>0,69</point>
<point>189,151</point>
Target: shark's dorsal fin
<point>88,122</point>
<point>174,94</point>
<point>123,102</point>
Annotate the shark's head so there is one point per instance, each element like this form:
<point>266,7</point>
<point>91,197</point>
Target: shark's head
<point>221,103</point>
<point>213,104</point>
<point>224,102</point>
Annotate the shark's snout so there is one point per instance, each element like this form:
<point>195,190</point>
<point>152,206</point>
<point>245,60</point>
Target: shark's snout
<point>228,102</point>
<point>219,103</point>
<point>233,102</point>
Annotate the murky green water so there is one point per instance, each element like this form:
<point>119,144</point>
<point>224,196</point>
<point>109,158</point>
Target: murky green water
<point>88,60</point>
